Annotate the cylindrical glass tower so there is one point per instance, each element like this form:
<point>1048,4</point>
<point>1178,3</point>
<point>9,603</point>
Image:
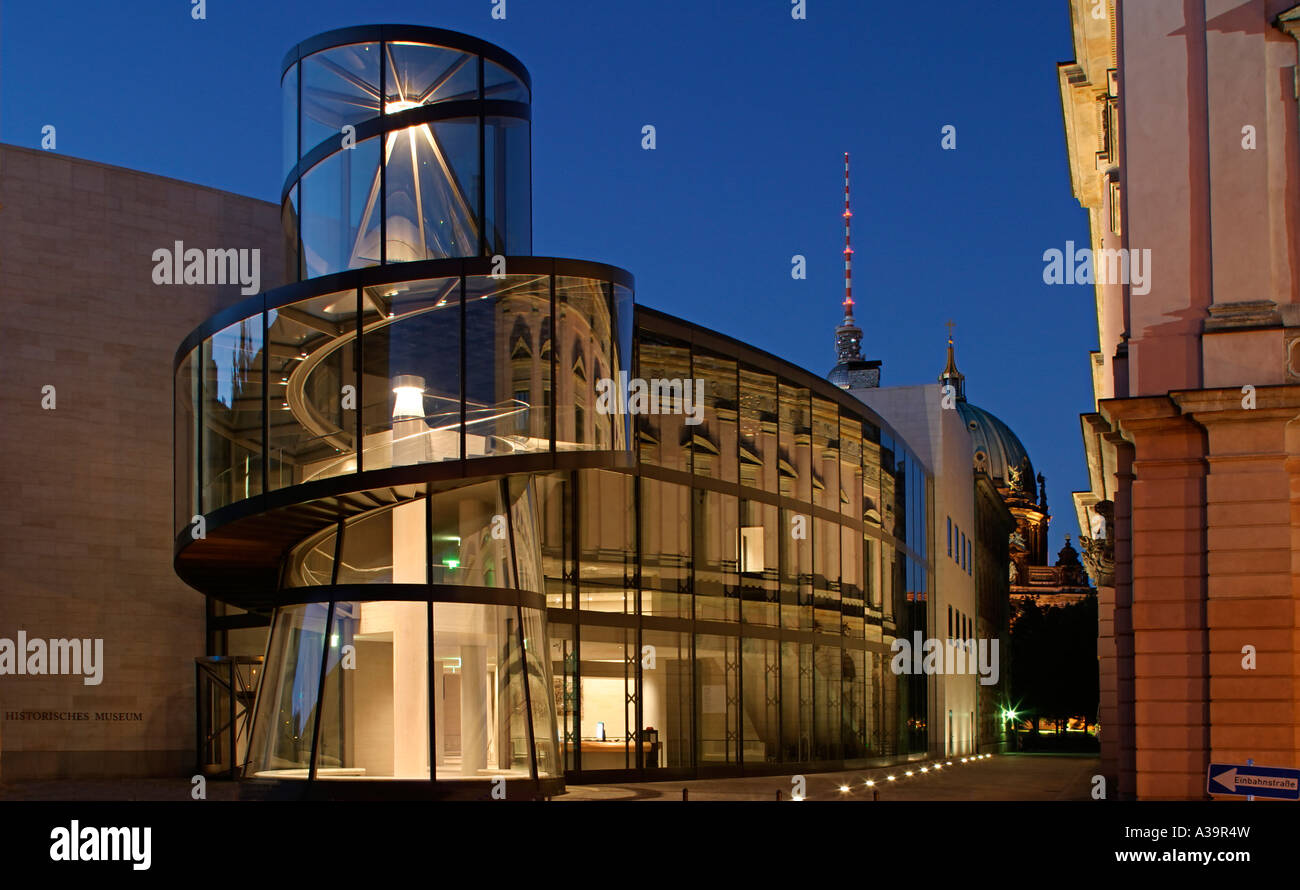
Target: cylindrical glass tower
<point>400,144</point>
<point>361,445</point>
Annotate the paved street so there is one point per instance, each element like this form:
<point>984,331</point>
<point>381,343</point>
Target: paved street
<point>1004,777</point>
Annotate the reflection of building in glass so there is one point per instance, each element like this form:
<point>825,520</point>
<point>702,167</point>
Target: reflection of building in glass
<point>475,571</point>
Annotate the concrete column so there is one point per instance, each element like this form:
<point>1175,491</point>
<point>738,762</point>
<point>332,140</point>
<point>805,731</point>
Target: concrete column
<point>1253,502</point>
<point>1170,636</point>
<point>410,646</point>
<point>473,710</point>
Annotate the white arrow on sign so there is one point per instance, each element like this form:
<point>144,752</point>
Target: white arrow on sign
<point>1230,779</point>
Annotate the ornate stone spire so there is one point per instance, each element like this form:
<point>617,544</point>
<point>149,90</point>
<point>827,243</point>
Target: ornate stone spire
<point>951,376</point>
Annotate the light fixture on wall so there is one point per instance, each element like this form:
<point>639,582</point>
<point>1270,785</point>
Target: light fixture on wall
<point>409,403</point>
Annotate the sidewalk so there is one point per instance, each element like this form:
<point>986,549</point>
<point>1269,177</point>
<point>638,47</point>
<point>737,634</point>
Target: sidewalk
<point>1001,777</point>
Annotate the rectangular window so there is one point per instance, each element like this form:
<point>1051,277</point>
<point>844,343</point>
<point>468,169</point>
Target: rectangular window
<point>950,536</point>
<point>950,621</point>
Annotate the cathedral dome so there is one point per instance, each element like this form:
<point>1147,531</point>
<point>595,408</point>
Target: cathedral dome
<point>996,449</point>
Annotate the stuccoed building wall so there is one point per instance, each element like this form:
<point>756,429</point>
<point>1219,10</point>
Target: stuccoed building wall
<point>85,537</point>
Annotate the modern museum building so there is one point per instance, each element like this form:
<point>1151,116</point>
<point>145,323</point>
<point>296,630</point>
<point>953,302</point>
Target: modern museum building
<point>508,524</point>
<point>463,519</point>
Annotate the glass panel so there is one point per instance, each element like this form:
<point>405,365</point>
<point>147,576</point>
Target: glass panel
<point>666,708</point>
<point>825,454</point>
<point>469,540</point>
<point>795,438</point>
<point>294,269</point>
<point>796,702</point>
<point>541,689</point>
<point>715,534</point>
<point>419,74</point>
<point>871,497</point>
<point>665,549</point>
<point>717,669</point>
<point>480,728</point>
<point>564,674</point>
<point>623,360</point>
<point>663,438</point>
<point>232,414</point>
<point>507,365</point>
<point>796,570</point>
<point>340,211</point>
<point>286,701</point>
<point>289,120</point>
<point>891,510</point>
<point>313,389</point>
<point>714,440</point>
<point>526,526</point>
<point>850,466</point>
<point>375,703</point>
<point>432,190</point>
<point>498,83</point>
<point>852,701</point>
<point>588,409</point>
<point>876,740</point>
<point>311,564</point>
<point>607,548</point>
<point>871,578</point>
<point>607,703</point>
<point>889,708</point>
<point>826,694</point>
<point>759,558</point>
<point>826,576</point>
<point>762,692</point>
<point>411,351</point>
<point>758,430</point>
<point>339,86</point>
<point>556,510</point>
<point>851,601</point>
<point>385,547</point>
<point>187,452</point>
<point>508,170</point>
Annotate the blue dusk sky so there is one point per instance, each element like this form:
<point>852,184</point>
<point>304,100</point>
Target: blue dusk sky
<point>753,112</point>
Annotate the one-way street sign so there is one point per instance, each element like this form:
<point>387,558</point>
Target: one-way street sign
<point>1261,781</point>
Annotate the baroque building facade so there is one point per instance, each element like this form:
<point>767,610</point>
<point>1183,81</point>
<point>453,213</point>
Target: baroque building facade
<point>1181,134</point>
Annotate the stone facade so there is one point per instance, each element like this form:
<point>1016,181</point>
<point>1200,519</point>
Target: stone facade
<point>86,532</point>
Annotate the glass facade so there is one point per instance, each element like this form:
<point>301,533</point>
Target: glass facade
<point>724,604</point>
<point>398,374</point>
<point>398,149</point>
<point>509,526</point>
<point>356,692</point>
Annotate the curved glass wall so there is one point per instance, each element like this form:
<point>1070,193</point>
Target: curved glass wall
<point>399,149</point>
<point>734,599</point>
<point>356,699</point>
<point>355,691</point>
<point>391,375</point>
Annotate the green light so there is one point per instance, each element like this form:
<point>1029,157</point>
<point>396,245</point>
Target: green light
<point>451,562</point>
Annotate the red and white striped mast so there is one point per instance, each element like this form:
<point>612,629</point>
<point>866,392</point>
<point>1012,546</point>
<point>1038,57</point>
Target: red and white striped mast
<point>848,248</point>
